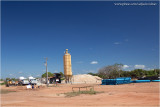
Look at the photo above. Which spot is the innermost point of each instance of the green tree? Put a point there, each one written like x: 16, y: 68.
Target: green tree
x: 62, y: 75
x: 1, y: 79
x: 13, y: 79
x: 7, y: 78
x: 157, y: 71
x: 49, y: 75
x: 94, y: 74
x: 151, y: 73
x: 125, y: 74
x: 110, y: 71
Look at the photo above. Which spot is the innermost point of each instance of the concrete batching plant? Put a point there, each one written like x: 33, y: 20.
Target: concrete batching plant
x: 67, y: 66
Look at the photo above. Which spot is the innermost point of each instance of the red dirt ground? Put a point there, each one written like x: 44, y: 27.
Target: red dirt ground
x: 135, y: 94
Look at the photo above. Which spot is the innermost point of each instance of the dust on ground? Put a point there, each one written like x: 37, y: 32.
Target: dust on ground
x: 134, y: 94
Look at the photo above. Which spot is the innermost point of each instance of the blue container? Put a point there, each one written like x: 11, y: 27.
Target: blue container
x: 103, y: 82
x: 155, y: 80
x: 110, y: 81
x: 132, y: 81
x: 140, y: 81
x: 122, y: 80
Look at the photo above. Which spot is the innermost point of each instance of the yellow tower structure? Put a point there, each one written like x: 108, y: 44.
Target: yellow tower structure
x: 67, y: 66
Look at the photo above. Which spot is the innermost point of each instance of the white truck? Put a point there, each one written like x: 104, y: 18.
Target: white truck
x: 32, y: 80
x: 23, y: 81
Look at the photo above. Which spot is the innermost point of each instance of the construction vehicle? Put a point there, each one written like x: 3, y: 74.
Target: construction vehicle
x: 10, y: 82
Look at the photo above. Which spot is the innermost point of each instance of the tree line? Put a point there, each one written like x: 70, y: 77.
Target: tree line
x: 114, y: 71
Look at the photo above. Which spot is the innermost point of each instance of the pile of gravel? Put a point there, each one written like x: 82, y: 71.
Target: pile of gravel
x: 86, y: 78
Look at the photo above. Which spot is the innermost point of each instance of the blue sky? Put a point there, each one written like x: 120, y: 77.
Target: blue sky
x: 96, y: 33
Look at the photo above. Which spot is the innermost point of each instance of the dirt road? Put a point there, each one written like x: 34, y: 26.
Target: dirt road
x: 135, y: 94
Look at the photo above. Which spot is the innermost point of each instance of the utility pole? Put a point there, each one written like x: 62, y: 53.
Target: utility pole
x: 46, y: 73
x: 155, y: 69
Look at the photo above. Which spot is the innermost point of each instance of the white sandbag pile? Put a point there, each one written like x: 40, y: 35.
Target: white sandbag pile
x: 86, y: 78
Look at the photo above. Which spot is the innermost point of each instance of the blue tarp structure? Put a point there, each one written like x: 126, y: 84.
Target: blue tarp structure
x: 155, y: 80
x: 140, y: 81
x: 108, y: 82
x: 122, y: 80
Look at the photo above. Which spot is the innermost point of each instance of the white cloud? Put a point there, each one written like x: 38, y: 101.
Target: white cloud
x: 139, y: 66
x: 116, y: 43
x: 20, y: 72
x: 125, y: 66
x: 94, y: 62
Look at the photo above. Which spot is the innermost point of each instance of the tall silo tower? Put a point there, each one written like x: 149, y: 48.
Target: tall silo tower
x: 67, y: 66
